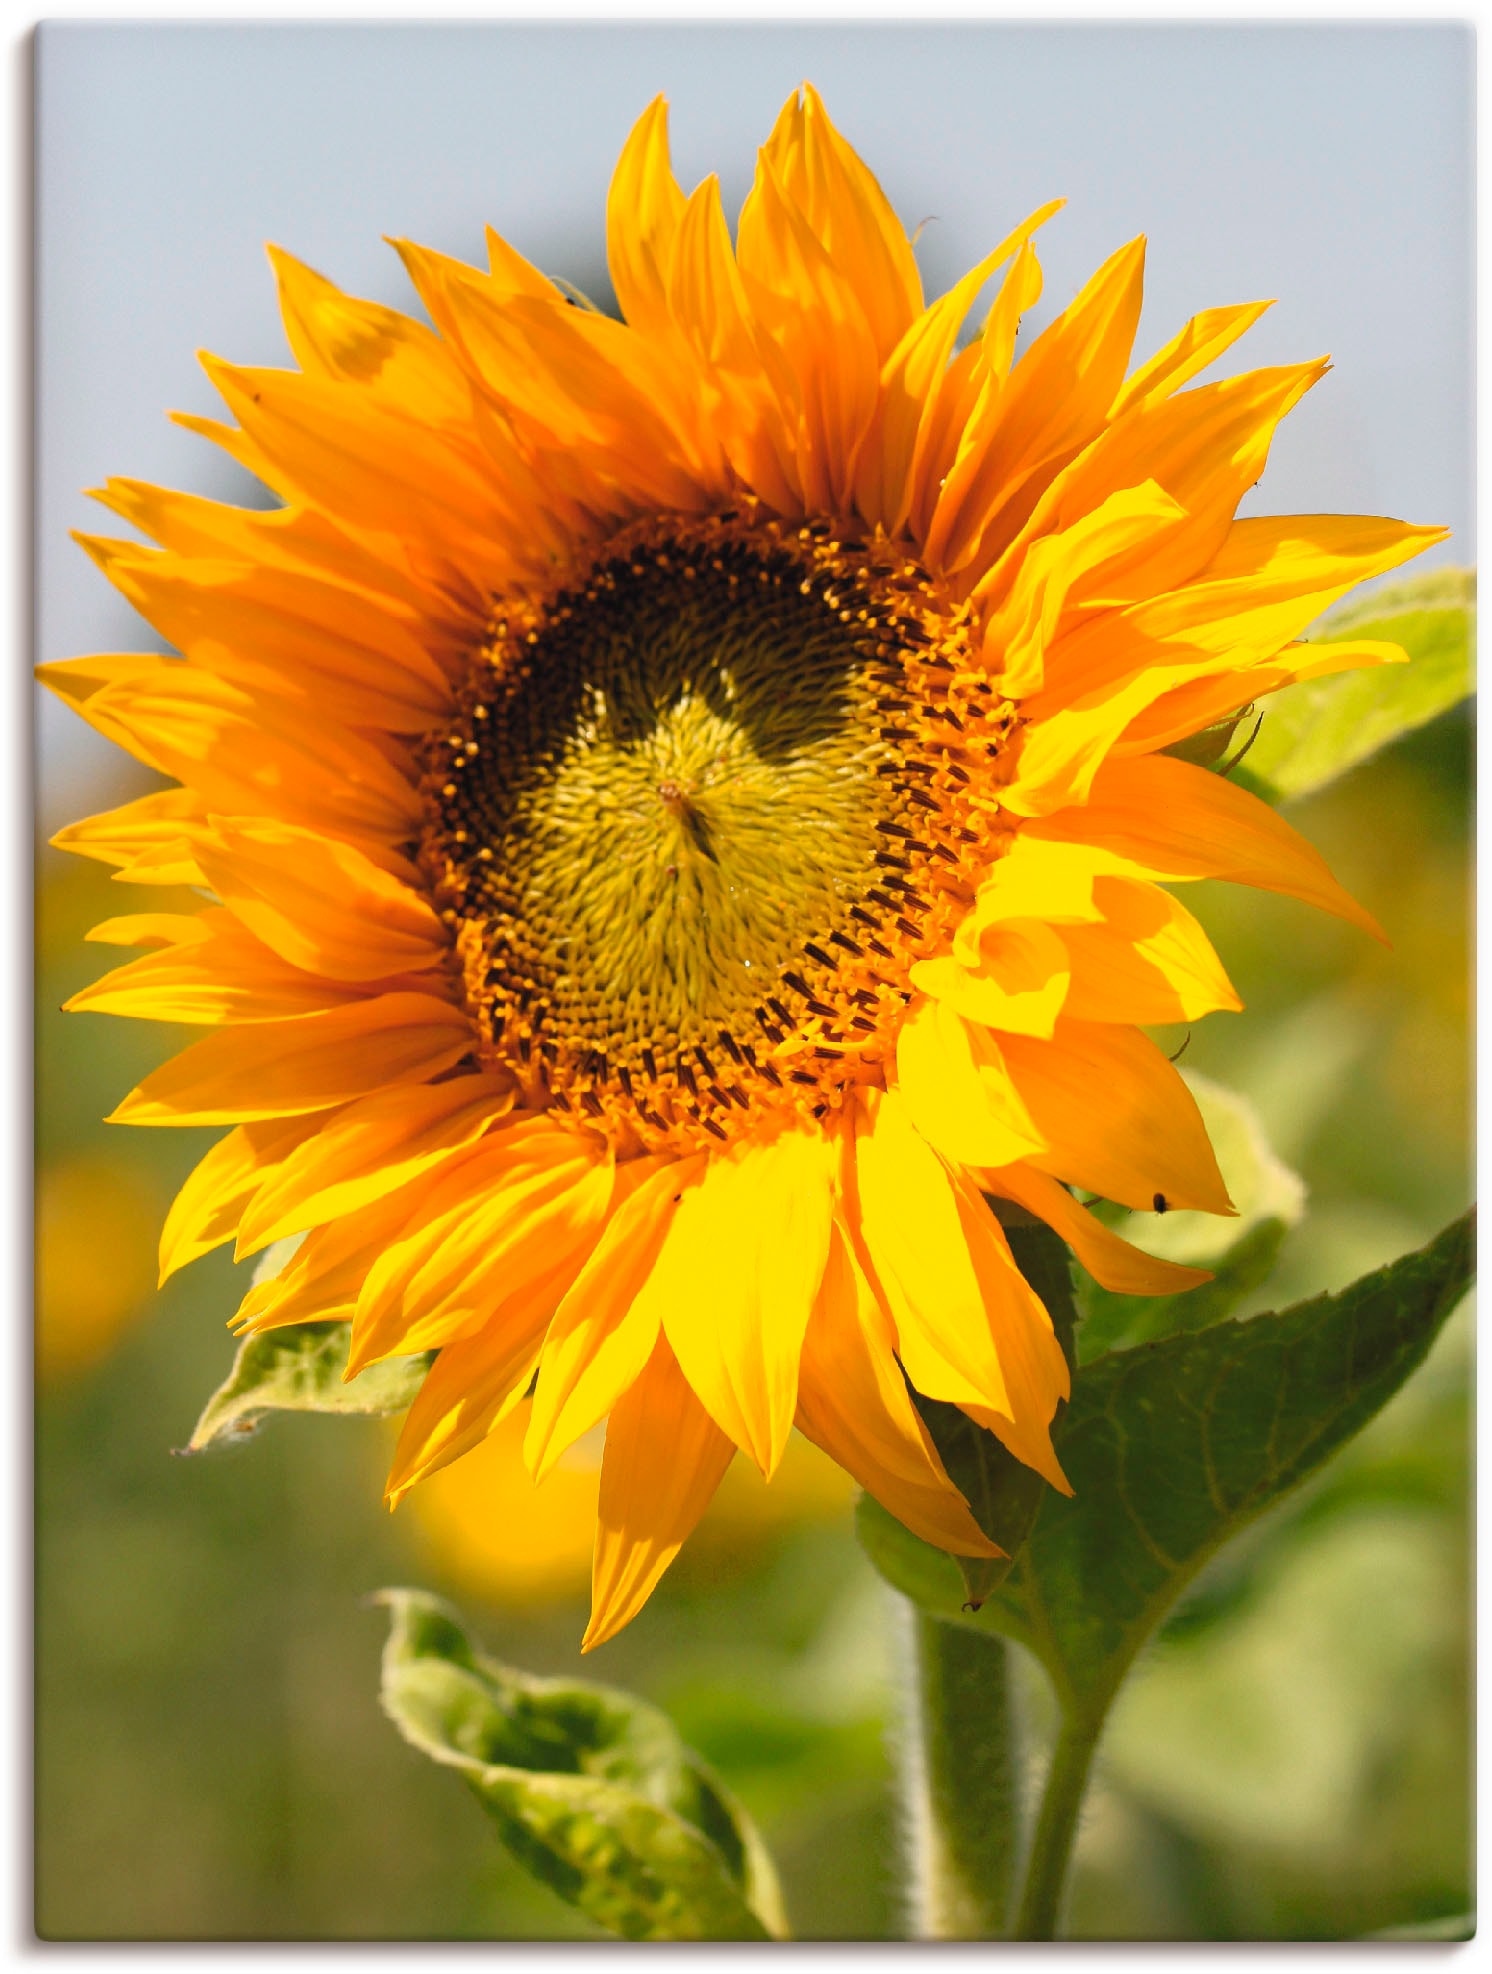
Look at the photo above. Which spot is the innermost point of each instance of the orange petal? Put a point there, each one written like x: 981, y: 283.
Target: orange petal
x: 1112, y: 1262
x: 853, y: 1402
x: 664, y: 1459
x: 1148, y: 961
x: 221, y: 974
x: 320, y: 904
x: 308, y: 1062
x: 1145, y: 1137
x: 372, y: 1147
x: 643, y: 210
x: 206, y: 1211
x: 605, y: 1328
x: 514, y: 1225
x: 1157, y: 817
x: 470, y: 1388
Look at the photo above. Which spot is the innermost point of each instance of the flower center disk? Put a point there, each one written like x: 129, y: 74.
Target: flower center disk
x: 687, y: 830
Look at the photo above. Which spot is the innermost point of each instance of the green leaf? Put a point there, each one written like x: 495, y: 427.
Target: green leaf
x: 300, y: 1369
x: 590, y: 1788
x: 1318, y: 729
x: 1175, y: 1446
x: 929, y: 1577
x: 1240, y: 1253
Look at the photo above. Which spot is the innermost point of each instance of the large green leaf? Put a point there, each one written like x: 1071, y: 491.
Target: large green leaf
x: 300, y: 1369
x: 590, y: 1788
x: 1317, y: 730
x: 1175, y: 1446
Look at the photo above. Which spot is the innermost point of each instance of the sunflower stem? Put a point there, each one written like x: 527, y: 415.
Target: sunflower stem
x: 960, y: 1771
x: 1056, y: 1830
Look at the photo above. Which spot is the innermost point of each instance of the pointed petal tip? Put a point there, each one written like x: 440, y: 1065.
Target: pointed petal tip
x: 991, y: 1551
x: 611, y: 1617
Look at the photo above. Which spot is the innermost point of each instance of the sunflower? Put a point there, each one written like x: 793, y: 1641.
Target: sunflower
x: 679, y: 809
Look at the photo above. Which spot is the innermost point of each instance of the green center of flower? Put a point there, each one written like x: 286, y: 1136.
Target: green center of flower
x: 678, y: 831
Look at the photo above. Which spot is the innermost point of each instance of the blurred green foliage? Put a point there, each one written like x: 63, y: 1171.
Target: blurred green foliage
x: 1291, y: 1760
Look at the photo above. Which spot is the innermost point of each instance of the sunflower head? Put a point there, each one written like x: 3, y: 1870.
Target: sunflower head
x: 678, y: 815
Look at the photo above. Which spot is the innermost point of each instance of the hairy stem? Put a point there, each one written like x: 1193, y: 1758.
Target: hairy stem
x: 960, y: 1775
x: 1056, y: 1828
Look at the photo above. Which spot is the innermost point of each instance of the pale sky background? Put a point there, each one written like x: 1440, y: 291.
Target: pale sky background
x: 1327, y: 165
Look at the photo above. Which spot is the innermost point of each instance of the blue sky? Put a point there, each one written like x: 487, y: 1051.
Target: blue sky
x: 1327, y: 165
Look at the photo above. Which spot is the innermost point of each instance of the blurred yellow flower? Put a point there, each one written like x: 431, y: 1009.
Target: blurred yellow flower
x: 500, y: 1536
x: 95, y: 1260
x: 686, y: 807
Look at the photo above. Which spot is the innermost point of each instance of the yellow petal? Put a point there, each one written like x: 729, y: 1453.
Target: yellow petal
x: 309, y: 1062
x: 320, y: 1281
x: 152, y: 929
x: 707, y: 300
x: 969, y: 1328
x: 1061, y: 570
x: 1205, y: 448
x: 911, y: 383
x: 1020, y: 983
x: 80, y: 682
x: 756, y: 1230
x: 852, y: 216
x: 1033, y: 880
x: 664, y: 1459
x: 1056, y: 400
x: 381, y: 470
x: 326, y: 648
x: 338, y: 336
x: 241, y: 757
x: 809, y: 309
x: 941, y: 1065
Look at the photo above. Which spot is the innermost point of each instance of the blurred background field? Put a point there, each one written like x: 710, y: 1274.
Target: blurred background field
x: 1292, y: 1760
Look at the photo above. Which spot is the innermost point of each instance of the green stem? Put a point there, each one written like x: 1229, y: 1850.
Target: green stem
x: 1056, y: 1828
x: 960, y: 1768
